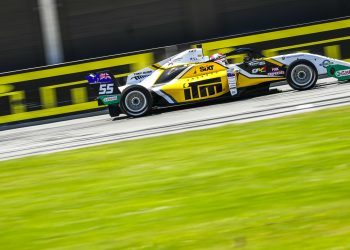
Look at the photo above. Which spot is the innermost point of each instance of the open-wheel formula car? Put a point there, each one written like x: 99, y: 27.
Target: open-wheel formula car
x: 191, y: 77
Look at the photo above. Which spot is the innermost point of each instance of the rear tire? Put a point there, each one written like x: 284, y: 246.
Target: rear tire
x: 302, y: 75
x: 136, y: 101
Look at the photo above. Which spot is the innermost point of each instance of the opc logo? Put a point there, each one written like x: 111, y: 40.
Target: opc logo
x: 259, y: 70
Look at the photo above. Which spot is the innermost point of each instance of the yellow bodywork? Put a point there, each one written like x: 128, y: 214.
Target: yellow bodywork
x: 244, y: 81
x: 206, y: 81
x: 200, y: 82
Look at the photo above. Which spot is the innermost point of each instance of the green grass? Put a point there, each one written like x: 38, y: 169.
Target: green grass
x: 274, y: 184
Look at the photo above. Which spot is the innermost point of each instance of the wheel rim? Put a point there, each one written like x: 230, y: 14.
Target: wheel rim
x: 135, y: 101
x: 302, y: 75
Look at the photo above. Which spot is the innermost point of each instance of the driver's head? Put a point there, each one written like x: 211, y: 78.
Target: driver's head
x: 219, y: 58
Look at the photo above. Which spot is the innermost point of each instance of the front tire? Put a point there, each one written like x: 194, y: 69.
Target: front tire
x: 302, y: 75
x: 136, y: 101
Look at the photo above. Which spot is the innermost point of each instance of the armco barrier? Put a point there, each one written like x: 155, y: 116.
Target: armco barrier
x: 62, y: 89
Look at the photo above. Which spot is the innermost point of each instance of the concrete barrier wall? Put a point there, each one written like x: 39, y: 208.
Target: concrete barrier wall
x: 62, y: 89
x: 20, y: 37
x: 93, y: 28
x: 105, y: 27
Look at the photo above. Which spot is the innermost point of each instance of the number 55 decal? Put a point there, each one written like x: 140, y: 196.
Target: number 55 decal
x: 106, y: 89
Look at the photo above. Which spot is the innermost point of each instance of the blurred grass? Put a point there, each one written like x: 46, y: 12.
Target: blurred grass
x: 274, y: 184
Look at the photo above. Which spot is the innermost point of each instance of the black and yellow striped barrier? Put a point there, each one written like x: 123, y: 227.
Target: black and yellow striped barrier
x: 57, y: 90
x: 62, y: 89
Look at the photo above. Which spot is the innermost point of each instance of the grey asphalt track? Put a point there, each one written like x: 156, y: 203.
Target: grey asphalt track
x: 101, y: 129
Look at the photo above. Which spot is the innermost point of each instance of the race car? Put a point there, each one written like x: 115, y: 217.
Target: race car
x: 191, y: 77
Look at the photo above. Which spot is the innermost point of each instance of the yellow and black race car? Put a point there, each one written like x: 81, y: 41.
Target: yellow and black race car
x: 190, y: 77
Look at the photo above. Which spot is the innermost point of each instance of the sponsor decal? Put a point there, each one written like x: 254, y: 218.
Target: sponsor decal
x: 110, y: 99
x: 92, y: 79
x: 325, y: 63
x: 276, y: 73
x: 232, y: 82
x: 106, y: 89
x: 275, y: 69
x: 342, y: 73
x: 195, y: 59
x: 99, y: 78
x: 259, y: 70
x: 207, y: 68
x: 141, y: 75
x: 256, y: 63
x: 105, y: 76
x: 199, y: 90
x: 177, y: 60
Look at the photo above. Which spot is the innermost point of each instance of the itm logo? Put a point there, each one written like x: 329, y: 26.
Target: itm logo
x: 203, y: 89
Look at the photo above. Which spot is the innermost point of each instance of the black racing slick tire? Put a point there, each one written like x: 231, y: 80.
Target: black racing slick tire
x: 302, y: 75
x: 136, y: 101
x: 113, y: 110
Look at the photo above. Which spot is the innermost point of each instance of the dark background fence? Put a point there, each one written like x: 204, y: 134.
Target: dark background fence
x: 93, y: 28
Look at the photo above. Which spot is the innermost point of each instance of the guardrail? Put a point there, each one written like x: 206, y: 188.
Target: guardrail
x: 62, y: 89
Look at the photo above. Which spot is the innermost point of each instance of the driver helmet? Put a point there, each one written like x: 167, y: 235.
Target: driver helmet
x: 219, y: 58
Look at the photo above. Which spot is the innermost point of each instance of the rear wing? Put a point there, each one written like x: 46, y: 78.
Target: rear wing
x: 104, y: 87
